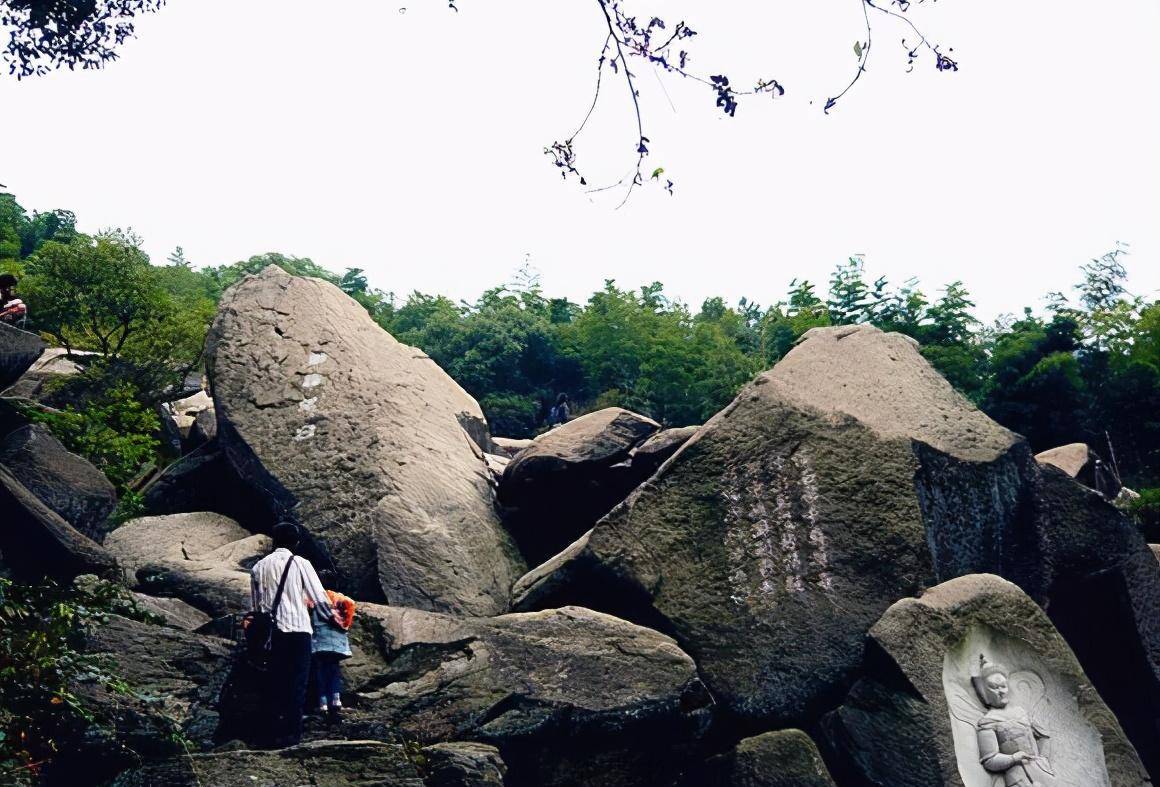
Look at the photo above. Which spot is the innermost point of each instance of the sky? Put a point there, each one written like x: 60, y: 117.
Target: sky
x: 407, y: 139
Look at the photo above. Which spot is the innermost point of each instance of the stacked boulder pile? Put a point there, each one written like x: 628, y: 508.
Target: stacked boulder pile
x: 849, y: 576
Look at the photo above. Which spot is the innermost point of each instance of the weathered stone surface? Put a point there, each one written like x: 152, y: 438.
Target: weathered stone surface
x: 204, y: 428
x: 36, y: 542
x: 583, y: 462
x: 510, y: 446
x: 204, y: 480
x: 175, y: 678
x: 18, y: 351
x: 463, y: 765
x: 785, y: 758
x: 496, y: 463
x: 53, y: 364
x: 179, y: 418
x: 653, y: 452
x: 358, y: 438
x: 917, y: 696
x: 321, y: 764
x: 175, y: 612
x: 845, y: 478
x: 568, y: 696
x: 1085, y: 466
x: 68, y: 484
x: 200, y: 558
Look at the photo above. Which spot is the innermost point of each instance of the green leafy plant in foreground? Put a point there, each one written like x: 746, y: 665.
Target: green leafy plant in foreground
x: 42, y: 631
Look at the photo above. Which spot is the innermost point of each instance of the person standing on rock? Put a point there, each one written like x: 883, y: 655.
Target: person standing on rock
x: 12, y: 309
x: 559, y: 413
x: 289, y: 665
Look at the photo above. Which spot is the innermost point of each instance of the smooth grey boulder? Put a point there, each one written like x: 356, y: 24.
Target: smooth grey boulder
x: 918, y: 697
x: 18, y: 351
x: 556, y: 488
x: 847, y: 477
x: 200, y: 558
x: 1083, y: 464
x: 358, y: 438
x: 318, y: 763
x: 568, y: 696
x: 68, y: 484
x: 652, y: 453
x: 462, y: 764
x: 784, y: 758
x: 36, y: 542
x: 175, y: 679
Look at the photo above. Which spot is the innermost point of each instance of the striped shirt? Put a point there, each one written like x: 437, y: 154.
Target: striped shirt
x: 301, y: 584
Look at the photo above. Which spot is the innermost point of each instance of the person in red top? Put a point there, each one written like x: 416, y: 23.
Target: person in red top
x: 12, y: 309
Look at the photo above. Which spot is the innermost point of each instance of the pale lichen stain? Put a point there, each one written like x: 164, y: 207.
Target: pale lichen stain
x: 780, y: 549
x: 305, y: 432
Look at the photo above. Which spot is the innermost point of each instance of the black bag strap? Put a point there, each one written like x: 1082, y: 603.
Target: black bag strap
x: 281, y: 587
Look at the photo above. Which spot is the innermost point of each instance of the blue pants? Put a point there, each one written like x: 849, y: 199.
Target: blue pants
x: 286, y: 691
x: 328, y: 677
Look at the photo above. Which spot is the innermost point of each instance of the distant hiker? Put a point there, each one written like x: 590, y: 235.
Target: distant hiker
x: 281, y: 586
x: 560, y: 412
x: 331, y: 646
x: 12, y: 309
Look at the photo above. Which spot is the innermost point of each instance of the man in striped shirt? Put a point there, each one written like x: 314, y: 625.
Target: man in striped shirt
x: 289, y: 667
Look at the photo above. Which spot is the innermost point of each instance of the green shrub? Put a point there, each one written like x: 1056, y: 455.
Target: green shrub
x: 1145, y: 510
x: 42, y: 631
x: 110, y: 427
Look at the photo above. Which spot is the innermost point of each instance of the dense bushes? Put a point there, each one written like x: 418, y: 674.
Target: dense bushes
x: 42, y: 630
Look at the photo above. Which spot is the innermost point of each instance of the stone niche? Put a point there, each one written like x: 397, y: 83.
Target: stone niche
x: 1041, y: 713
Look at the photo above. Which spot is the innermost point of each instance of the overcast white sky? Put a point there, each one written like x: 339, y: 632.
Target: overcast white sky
x: 410, y: 144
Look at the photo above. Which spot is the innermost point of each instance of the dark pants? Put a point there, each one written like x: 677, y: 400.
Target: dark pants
x: 286, y: 691
x: 328, y: 677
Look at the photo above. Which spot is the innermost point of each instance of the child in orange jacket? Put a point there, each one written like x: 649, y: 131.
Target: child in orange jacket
x: 330, y: 645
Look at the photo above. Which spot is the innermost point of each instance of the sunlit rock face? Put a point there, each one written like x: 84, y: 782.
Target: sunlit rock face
x: 360, y: 439
x: 847, y: 477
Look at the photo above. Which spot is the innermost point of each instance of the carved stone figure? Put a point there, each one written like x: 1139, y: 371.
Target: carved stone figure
x: 1011, y: 742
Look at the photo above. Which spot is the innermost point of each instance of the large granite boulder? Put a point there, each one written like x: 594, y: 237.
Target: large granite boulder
x: 556, y: 488
x: 1084, y: 465
x: 319, y: 763
x: 204, y: 480
x: 200, y: 558
x: 847, y: 477
x: 18, y: 351
x: 68, y: 484
x: 36, y: 542
x: 568, y: 696
x: 173, y: 683
x: 971, y: 665
x: 785, y: 758
x: 358, y: 438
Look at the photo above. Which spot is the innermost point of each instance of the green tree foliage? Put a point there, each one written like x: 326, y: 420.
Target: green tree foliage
x: 111, y: 427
